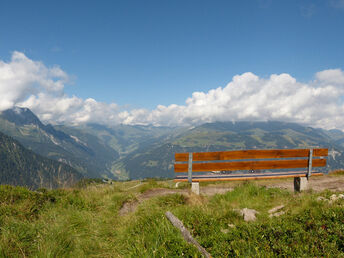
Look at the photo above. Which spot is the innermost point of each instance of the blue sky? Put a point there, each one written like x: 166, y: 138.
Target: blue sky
x: 161, y: 62
x: 144, y: 53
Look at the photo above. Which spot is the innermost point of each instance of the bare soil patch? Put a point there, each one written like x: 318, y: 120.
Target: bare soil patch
x: 318, y: 184
x: 129, y: 207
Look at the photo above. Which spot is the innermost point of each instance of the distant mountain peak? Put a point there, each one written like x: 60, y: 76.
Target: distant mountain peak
x: 19, y: 110
x: 21, y: 116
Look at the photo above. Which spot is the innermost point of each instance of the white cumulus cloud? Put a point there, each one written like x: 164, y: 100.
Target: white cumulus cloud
x: 28, y: 83
x: 248, y: 97
x: 334, y: 76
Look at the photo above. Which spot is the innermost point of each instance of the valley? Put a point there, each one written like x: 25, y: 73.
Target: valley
x: 132, y: 152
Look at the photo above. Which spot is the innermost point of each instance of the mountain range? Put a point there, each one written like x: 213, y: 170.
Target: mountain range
x: 20, y: 166
x: 89, y: 157
x: 134, y: 151
x: 157, y: 159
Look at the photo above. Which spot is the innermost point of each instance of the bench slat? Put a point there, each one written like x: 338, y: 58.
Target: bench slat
x: 250, y: 154
x: 234, y: 177
x: 258, y: 174
x: 249, y: 165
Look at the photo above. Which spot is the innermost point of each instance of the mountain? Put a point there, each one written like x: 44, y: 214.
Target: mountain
x: 124, y: 139
x: 20, y: 166
x: 92, y: 149
x: 88, y: 155
x: 157, y: 159
x: 136, y: 151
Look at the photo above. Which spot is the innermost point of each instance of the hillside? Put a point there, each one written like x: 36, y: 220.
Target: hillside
x: 156, y: 160
x: 127, y: 219
x: 19, y: 166
x: 87, y: 154
x: 135, y: 151
x: 90, y: 148
x: 122, y: 138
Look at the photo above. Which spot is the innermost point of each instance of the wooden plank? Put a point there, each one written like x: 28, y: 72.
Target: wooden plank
x: 186, y: 234
x: 320, y: 152
x: 256, y: 174
x: 250, y: 154
x: 181, y: 157
x: 238, y: 175
x: 249, y: 165
x: 208, y: 179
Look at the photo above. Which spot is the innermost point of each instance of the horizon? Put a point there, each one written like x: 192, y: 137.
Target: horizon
x: 172, y: 64
x: 162, y: 126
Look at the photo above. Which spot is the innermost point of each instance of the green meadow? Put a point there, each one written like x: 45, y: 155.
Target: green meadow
x: 86, y: 221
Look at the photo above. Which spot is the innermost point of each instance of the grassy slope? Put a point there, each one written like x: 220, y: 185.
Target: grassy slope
x: 85, y: 222
x: 91, y: 157
x: 20, y: 166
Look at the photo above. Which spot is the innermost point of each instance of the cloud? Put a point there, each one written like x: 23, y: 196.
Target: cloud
x: 308, y: 11
x: 22, y: 77
x: 335, y: 76
x: 248, y: 97
x: 337, y: 4
x: 28, y: 83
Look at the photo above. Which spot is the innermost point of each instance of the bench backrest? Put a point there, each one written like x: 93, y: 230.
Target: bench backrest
x: 249, y: 160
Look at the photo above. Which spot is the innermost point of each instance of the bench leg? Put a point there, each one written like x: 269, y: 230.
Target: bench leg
x: 300, y: 184
x: 195, y: 187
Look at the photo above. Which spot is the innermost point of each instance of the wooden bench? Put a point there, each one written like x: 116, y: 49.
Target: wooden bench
x: 251, y: 164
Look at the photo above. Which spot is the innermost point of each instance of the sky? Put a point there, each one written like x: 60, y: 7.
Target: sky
x: 179, y: 62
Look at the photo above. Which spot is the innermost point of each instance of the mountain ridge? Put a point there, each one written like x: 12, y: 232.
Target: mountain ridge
x: 157, y: 160
x: 46, y: 140
x: 134, y: 152
x: 20, y: 166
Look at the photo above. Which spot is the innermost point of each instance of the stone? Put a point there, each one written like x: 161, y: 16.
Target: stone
x: 300, y: 184
x: 275, y: 209
x: 195, y: 187
x: 277, y: 214
x: 224, y: 231
x: 248, y: 214
x: 333, y: 197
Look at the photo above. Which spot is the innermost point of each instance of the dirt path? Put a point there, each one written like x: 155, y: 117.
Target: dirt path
x: 333, y: 183
x: 318, y: 184
x: 129, y: 207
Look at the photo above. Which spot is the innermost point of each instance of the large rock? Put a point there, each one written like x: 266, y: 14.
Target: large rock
x: 248, y: 214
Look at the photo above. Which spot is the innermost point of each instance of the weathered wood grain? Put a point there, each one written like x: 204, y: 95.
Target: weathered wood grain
x: 249, y: 165
x: 238, y: 177
x: 186, y: 234
x: 250, y: 154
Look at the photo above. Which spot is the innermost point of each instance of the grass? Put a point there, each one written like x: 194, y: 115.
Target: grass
x: 337, y: 173
x: 84, y: 222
